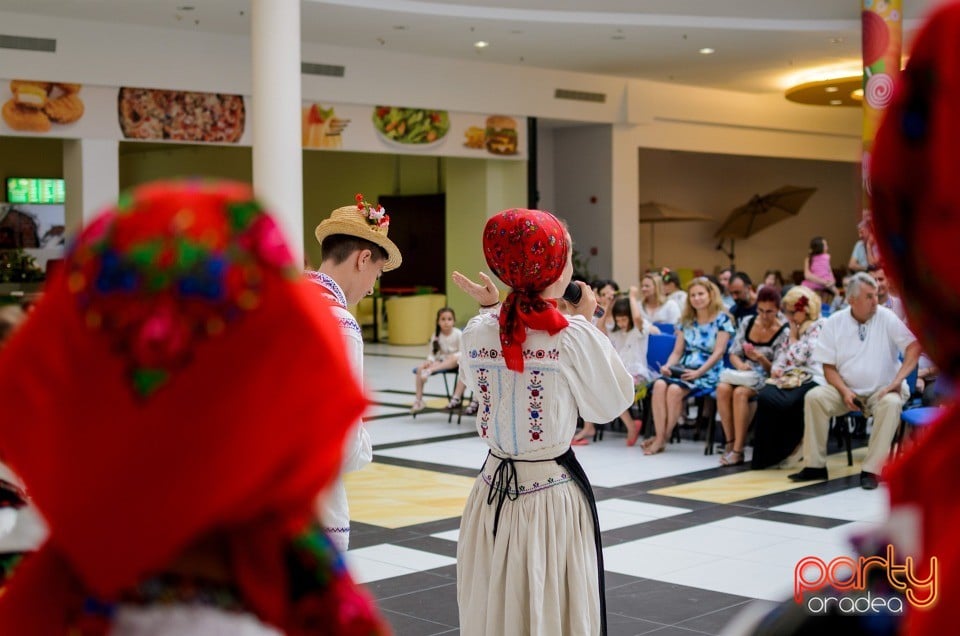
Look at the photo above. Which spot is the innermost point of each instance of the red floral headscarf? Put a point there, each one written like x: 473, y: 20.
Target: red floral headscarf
x: 916, y: 214
x: 177, y: 381
x: 527, y: 250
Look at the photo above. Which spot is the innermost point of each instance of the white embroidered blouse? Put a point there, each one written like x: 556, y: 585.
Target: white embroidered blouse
x: 533, y: 415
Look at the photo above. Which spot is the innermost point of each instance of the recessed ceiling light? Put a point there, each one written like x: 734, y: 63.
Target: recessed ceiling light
x: 836, y: 102
x: 707, y: 51
x: 831, y: 89
x: 186, y: 7
x: 481, y: 44
x: 857, y: 94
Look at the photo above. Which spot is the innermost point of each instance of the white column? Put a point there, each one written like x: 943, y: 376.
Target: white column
x: 91, y: 172
x: 277, y: 151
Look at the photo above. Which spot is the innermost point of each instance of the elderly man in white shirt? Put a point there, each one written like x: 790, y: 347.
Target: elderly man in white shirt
x: 859, y: 348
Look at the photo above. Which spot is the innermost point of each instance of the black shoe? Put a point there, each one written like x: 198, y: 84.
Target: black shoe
x: 809, y: 474
x: 868, y: 481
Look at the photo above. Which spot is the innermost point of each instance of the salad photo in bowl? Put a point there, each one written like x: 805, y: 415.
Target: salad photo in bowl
x: 411, y: 126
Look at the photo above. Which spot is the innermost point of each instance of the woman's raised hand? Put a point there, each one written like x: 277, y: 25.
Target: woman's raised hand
x: 486, y: 293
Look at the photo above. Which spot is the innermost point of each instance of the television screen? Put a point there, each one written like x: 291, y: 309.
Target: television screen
x: 31, y: 190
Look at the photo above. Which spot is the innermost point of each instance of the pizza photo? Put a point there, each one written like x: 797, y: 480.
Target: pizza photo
x: 147, y: 113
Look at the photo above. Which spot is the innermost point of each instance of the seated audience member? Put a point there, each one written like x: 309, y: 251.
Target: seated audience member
x: 774, y: 279
x: 723, y: 284
x: 754, y: 347
x: 817, y: 271
x: 778, y: 423
x: 884, y: 297
x: 671, y: 287
x: 654, y: 305
x: 927, y: 373
x: 161, y: 361
x: 744, y: 296
x: 706, y: 329
x: 629, y: 337
x: 840, y: 300
x: 859, y: 348
x: 443, y: 355
x: 858, y: 257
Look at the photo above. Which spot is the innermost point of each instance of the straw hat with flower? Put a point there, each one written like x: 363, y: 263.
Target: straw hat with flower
x: 366, y: 221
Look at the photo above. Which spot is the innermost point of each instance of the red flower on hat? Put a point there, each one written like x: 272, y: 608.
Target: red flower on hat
x: 376, y: 215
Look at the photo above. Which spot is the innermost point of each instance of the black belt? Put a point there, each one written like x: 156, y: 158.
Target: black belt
x: 505, y: 476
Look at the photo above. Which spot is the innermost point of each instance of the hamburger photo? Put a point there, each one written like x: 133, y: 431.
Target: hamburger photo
x: 501, y: 135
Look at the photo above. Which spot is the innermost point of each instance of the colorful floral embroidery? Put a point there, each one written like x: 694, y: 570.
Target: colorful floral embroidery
x: 197, y: 266
x: 528, y: 354
x: 526, y: 489
x: 324, y: 597
x: 483, y: 385
x: 330, y: 285
x: 535, y: 406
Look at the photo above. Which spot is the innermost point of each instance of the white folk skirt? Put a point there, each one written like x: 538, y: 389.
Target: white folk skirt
x: 539, y: 574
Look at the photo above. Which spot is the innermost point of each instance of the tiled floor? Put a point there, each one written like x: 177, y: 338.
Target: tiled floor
x: 689, y: 547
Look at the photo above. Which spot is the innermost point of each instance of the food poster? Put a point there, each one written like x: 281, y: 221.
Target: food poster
x: 408, y: 130
x: 77, y: 111
x: 58, y: 109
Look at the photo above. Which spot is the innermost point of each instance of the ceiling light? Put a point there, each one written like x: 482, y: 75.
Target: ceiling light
x: 707, y: 51
x: 857, y: 94
x: 186, y: 7
x: 481, y: 44
x: 836, y: 102
x: 831, y: 89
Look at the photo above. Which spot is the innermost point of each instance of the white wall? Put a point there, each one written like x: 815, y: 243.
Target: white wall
x: 715, y: 184
x: 643, y: 114
x: 582, y: 161
x: 545, y: 169
x: 114, y: 54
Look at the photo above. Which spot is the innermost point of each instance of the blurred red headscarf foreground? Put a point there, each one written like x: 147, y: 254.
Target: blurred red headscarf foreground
x: 916, y: 212
x: 178, y: 381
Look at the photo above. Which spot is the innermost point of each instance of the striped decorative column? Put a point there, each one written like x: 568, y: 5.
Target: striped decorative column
x: 882, y: 43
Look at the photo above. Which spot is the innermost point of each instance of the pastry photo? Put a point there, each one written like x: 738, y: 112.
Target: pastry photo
x: 34, y: 106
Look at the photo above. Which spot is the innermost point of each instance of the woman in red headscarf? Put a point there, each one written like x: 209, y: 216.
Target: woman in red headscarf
x: 916, y: 215
x: 528, y: 557
x: 174, y: 405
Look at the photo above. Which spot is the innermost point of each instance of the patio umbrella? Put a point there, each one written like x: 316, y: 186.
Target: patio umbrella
x: 654, y: 212
x: 760, y: 212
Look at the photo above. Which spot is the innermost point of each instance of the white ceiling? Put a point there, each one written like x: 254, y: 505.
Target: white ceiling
x: 758, y: 43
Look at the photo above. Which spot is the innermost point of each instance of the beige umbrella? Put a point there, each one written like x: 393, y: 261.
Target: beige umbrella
x: 760, y: 212
x: 655, y: 212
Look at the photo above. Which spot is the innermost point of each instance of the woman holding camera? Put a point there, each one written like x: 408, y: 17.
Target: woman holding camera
x: 706, y: 328
x: 529, y: 558
x: 754, y: 348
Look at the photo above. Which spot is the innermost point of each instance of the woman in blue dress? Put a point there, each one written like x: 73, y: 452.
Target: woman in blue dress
x: 706, y: 330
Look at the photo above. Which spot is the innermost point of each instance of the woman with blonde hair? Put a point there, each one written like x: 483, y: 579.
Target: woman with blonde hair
x: 654, y: 306
x: 778, y: 423
x: 706, y: 329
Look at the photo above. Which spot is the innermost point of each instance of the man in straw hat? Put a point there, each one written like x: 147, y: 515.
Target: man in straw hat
x: 355, y: 250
